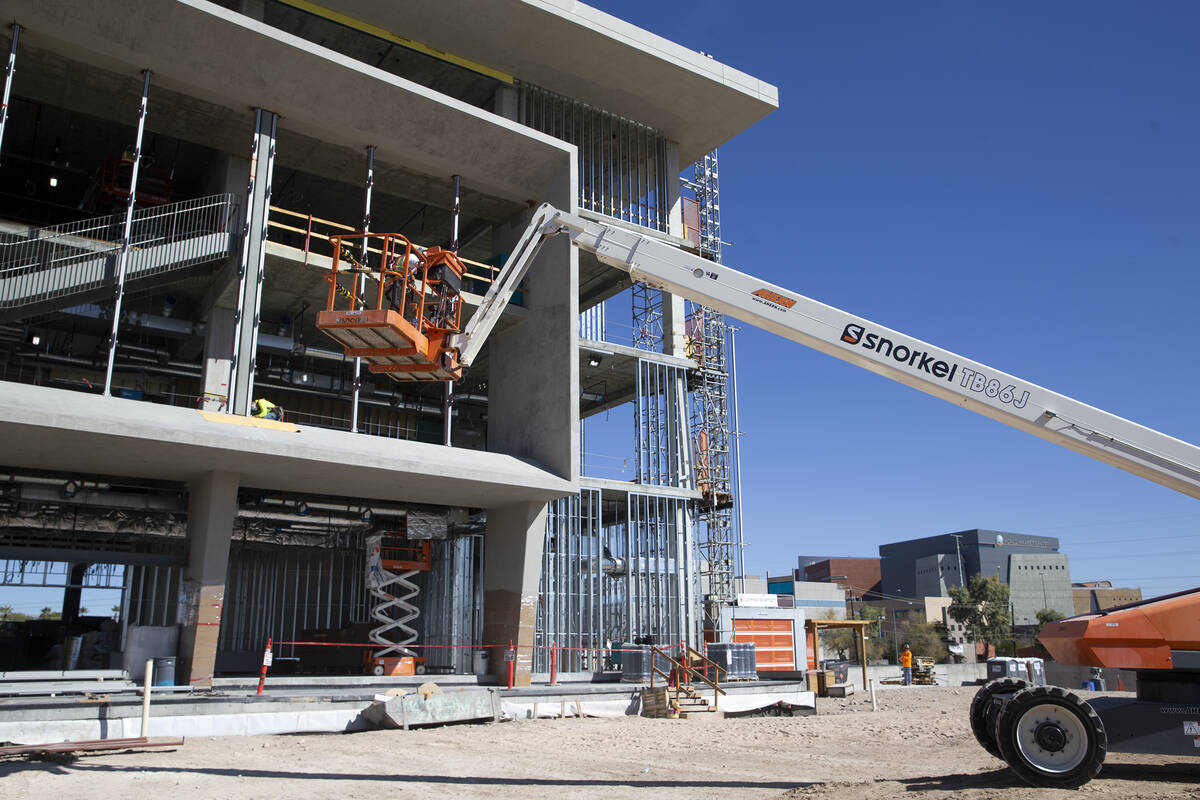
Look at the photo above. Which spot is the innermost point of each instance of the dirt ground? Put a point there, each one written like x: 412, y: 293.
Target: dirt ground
x: 918, y: 744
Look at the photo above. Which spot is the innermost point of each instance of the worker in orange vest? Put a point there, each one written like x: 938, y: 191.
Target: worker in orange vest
x: 906, y: 664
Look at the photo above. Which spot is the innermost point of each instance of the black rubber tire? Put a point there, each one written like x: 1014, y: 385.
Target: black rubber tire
x: 1016, y: 713
x: 984, y: 712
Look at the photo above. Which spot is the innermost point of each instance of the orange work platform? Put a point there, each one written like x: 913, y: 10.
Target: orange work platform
x: 395, y: 306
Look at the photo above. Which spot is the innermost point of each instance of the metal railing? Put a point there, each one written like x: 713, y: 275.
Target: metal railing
x: 311, y: 237
x: 65, y: 260
x: 691, y: 664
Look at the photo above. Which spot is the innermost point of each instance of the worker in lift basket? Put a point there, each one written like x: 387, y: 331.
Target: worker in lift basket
x: 906, y: 664
x: 265, y: 409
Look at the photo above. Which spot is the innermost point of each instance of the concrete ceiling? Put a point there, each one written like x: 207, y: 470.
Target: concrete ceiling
x: 583, y: 53
x: 225, y: 64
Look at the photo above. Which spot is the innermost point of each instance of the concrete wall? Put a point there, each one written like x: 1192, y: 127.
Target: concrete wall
x: 1037, y: 582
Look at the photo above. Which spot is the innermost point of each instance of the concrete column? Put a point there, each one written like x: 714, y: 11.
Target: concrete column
x: 674, y: 325
x: 212, y: 506
x: 72, y: 594
x: 674, y: 320
x: 533, y: 414
x: 507, y: 103
x: 533, y: 383
x: 218, y: 359
x: 513, y: 565
x: 674, y: 203
x: 256, y: 9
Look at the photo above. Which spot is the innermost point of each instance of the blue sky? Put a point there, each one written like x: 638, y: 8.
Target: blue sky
x: 1018, y: 183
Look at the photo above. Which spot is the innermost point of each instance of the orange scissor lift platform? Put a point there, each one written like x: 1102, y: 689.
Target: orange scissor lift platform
x: 403, y: 328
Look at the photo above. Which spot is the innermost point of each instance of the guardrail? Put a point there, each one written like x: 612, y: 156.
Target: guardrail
x: 64, y: 260
x: 309, y: 235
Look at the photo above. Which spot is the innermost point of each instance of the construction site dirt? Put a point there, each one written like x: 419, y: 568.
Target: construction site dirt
x: 918, y: 744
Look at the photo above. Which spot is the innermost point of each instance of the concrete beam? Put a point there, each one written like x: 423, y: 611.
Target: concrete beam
x: 62, y: 430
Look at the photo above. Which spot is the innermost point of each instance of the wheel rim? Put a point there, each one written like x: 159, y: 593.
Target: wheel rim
x: 1051, y: 738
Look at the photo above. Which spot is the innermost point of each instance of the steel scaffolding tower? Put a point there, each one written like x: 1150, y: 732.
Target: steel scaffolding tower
x: 716, y: 541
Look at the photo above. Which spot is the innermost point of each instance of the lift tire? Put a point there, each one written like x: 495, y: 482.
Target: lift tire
x: 984, y: 711
x: 1051, y: 737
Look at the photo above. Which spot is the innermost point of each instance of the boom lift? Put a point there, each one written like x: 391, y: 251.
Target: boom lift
x: 978, y: 387
x: 1049, y: 736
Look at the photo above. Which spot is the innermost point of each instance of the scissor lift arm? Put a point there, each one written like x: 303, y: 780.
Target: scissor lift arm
x: 970, y: 384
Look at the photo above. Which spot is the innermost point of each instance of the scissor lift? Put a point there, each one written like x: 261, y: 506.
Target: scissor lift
x: 402, y: 328
x: 392, y: 561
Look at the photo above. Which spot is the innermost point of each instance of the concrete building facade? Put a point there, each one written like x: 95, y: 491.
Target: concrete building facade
x: 247, y: 132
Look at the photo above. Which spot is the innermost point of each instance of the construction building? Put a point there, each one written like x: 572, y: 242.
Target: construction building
x: 1037, y: 574
x: 171, y: 175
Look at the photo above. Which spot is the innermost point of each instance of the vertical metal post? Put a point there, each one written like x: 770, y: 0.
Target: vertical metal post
x: 253, y: 259
x: 244, y: 264
x: 9, y: 69
x: 261, y: 266
x: 360, y: 281
x: 448, y: 398
x: 124, y: 257
x: 737, y: 455
x: 457, y: 208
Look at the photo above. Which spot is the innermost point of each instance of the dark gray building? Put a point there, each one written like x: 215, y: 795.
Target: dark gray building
x: 1037, y: 573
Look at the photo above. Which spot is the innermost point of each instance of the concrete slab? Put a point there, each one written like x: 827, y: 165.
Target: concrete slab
x: 200, y: 50
x: 62, y: 430
x: 581, y: 52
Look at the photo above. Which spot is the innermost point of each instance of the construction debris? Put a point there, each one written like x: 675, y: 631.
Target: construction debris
x: 91, y: 745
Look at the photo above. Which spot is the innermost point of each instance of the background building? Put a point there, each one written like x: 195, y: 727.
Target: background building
x: 859, y: 576
x: 1093, y: 596
x: 1037, y: 574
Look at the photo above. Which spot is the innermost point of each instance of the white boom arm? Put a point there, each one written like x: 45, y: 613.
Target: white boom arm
x: 978, y: 387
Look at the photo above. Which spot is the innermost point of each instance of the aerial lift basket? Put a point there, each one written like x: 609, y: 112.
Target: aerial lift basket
x: 396, y: 308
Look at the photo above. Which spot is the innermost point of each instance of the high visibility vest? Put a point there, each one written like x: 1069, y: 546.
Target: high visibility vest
x: 262, y: 407
x: 906, y: 658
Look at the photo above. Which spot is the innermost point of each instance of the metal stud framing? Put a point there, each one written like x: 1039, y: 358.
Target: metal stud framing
x: 660, y: 425
x: 451, y: 602
x: 622, y: 163
x: 571, y: 589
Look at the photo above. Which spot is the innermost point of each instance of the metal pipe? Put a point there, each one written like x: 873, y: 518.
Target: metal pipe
x: 737, y: 452
x: 360, y: 281
x: 9, y: 69
x: 456, y: 210
x: 124, y: 257
x: 448, y: 398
